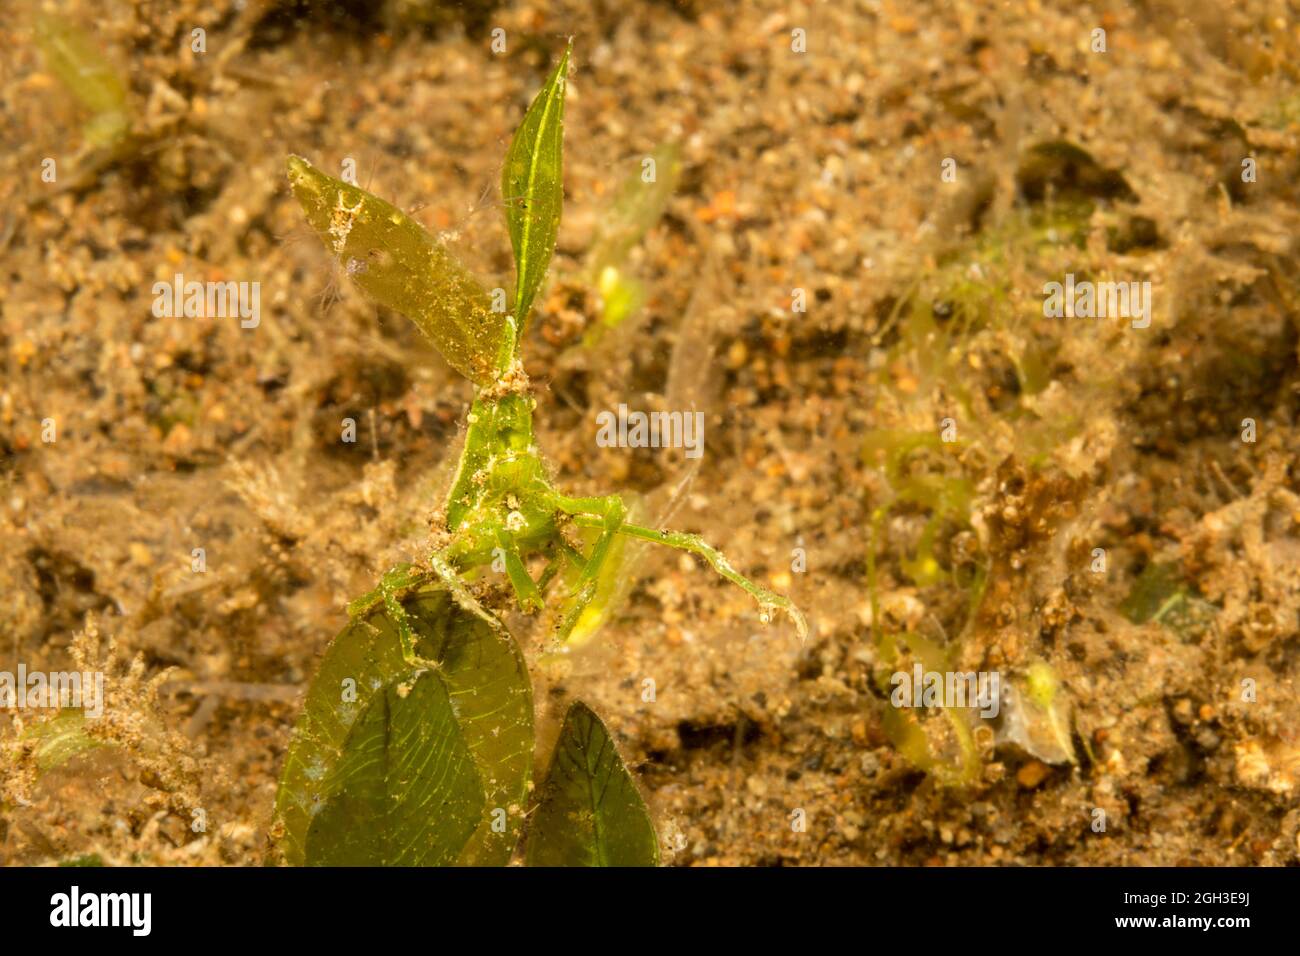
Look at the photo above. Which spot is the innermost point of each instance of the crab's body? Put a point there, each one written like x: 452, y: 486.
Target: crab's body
x: 502, y: 506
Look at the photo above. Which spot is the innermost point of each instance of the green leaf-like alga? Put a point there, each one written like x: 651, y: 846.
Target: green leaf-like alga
x: 61, y: 737
x: 532, y: 188
x: 400, y: 265
x: 406, y: 792
x: 491, y: 700
x: 72, y: 58
x: 591, y: 813
x: 637, y: 205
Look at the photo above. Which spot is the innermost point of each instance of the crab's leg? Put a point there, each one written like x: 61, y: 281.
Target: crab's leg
x: 441, y: 567
x: 548, y: 574
x: 397, y: 614
x: 393, y: 586
x: 611, y: 511
x: 570, y: 553
x: 693, y: 543
x: 561, y: 552
x: 526, y: 590
x: 402, y: 576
